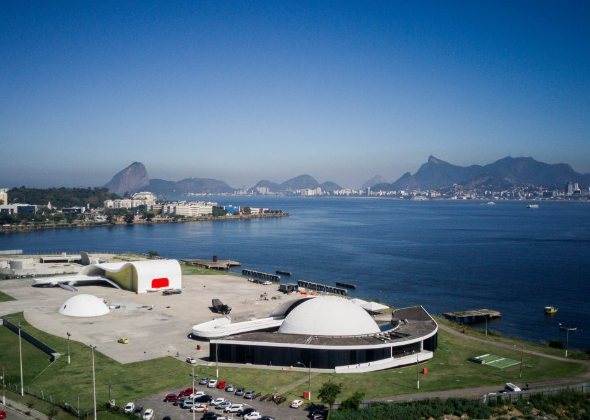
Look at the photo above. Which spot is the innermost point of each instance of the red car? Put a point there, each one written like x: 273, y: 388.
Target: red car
x: 171, y: 397
x: 2, y: 415
x: 187, y: 392
x: 221, y: 384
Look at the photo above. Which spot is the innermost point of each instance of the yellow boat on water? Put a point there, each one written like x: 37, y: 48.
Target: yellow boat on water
x: 550, y: 310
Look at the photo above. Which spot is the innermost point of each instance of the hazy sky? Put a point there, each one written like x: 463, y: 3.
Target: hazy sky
x: 243, y: 91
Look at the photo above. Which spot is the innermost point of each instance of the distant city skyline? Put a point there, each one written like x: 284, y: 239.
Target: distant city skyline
x: 244, y: 91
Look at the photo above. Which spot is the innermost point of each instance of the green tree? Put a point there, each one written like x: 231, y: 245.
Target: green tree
x: 152, y: 254
x: 129, y: 218
x: 329, y: 392
x: 352, y: 402
x: 247, y: 210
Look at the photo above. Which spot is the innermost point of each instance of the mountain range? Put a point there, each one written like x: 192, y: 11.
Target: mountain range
x: 501, y: 174
x: 435, y: 173
x: 135, y: 178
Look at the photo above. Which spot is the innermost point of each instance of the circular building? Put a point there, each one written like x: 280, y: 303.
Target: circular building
x: 84, y: 306
x: 333, y: 333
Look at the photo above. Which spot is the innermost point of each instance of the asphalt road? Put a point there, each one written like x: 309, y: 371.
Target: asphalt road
x: 12, y: 414
x: 266, y: 408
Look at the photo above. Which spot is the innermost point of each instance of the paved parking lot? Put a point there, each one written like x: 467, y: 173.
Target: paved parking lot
x: 266, y: 408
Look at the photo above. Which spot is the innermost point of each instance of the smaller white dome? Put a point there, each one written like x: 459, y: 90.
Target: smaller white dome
x: 84, y: 306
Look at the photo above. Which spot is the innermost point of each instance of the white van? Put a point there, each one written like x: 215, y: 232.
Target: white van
x: 508, y: 387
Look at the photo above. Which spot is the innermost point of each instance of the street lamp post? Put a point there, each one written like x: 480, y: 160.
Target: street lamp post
x: 521, y: 356
x: 216, y: 361
x: 3, y: 389
x: 20, y: 354
x: 567, y: 335
x: 309, y: 379
x: 193, y: 392
x: 417, y: 371
x: 68, y: 347
x: 93, y: 381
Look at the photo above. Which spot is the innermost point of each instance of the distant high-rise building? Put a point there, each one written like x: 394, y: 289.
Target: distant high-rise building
x: 569, y: 189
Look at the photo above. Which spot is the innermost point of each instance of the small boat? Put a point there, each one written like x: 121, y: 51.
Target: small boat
x: 491, y: 203
x: 550, y: 310
x: 532, y: 206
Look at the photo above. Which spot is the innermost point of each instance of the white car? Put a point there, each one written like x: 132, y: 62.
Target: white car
x: 199, y: 408
x: 235, y: 408
x: 191, y: 360
x: 196, y: 394
x: 149, y: 414
x: 129, y: 408
x: 217, y: 401
x: 212, y: 383
x: 254, y: 415
x: 296, y: 404
x: 267, y: 283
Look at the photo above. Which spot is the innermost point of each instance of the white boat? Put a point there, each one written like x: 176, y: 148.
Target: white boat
x: 491, y: 203
x: 532, y: 206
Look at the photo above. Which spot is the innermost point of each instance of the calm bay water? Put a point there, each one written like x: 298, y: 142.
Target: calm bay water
x: 442, y: 255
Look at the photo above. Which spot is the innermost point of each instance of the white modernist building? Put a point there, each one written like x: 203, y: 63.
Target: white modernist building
x: 326, y: 332
x: 136, y: 276
x: 84, y: 306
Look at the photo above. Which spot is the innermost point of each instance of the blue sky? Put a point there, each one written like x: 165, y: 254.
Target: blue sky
x: 243, y: 91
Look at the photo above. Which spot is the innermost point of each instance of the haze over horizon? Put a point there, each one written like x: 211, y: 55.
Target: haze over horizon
x: 243, y: 91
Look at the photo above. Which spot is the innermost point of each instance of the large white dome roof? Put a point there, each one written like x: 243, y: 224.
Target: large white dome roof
x: 84, y: 306
x: 331, y: 316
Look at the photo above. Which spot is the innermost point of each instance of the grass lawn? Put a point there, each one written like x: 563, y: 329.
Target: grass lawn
x: 129, y: 382
x: 580, y: 355
x: 449, y: 369
x: 191, y: 269
x: 5, y: 298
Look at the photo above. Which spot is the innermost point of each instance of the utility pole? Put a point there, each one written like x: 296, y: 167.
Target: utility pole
x: 93, y: 381
x: 69, y: 361
x: 216, y: 361
x: 20, y: 352
x: 3, y: 389
x: 417, y: 371
x: 521, y: 356
x: 193, y: 392
x: 486, y: 318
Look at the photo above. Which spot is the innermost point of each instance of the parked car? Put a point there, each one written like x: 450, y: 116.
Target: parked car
x: 166, y: 418
x: 138, y: 411
x: 296, y: 403
x: 234, y: 408
x: 200, y: 408
x: 314, y: 413
x: 123, y: 340
x: 196, y: 394
x: 191, y: 360
x: 128, y: 409
x: 205, y: 398
x: 255, y: 415
x: 211, y: 415
x: 221, y: 385
x: 171, y: 397
x: 247, y: 411
x: 249, y: 395
x: 508, y: 387
x: 223, y: 405
x: 217, y: 401
x: 229, y: 388
x: 212, y: 383
x: 2, y: 414
x: 239, y: 392
x: 188, y: 403
x: 267, y: 283
x: 267, y: 418
x: 181, y: 401
x: 187, y: 392
x: 204, y: 381
x: 148, y: 414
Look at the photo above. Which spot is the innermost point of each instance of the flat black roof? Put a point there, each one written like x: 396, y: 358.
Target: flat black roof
x: 408, y: 324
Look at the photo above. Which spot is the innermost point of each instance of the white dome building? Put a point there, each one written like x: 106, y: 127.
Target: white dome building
x: 84, y: 306
x: 330, y: 333
x: 328, y: 316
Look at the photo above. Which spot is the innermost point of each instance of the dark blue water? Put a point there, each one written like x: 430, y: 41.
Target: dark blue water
x: 442, y: 255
